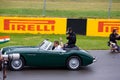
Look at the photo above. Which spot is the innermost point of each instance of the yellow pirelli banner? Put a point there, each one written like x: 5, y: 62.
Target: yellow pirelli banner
x: 33, y: 25
x: 102, y: 27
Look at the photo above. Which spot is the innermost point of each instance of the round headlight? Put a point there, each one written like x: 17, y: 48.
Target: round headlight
x: 14, y: 56
x: 11, y: 56
x: 5, y: 57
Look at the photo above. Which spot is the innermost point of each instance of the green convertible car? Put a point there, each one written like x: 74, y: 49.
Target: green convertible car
x: 44, y: 56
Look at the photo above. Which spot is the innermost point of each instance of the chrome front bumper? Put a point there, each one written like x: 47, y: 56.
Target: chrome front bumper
x: 94, y: 60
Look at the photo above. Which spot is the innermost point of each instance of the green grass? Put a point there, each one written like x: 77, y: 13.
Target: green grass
x: 58, y: 13
x: 85, y: 42
x: 60, y: 8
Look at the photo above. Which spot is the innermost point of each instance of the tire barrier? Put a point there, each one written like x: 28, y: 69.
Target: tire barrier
x: 78, y: 25
x: 33, y: 25
x: 88, y: 27
x: 102, y: 27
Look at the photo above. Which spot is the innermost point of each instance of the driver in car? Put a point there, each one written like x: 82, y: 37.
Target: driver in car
x: 57, y: 46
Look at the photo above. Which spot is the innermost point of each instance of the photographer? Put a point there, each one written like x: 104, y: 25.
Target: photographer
x: 71, y: 37
x: 114, y: 36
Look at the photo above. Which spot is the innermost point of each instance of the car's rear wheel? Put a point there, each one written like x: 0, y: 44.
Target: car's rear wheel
x: 73, y: 63
x: 16, y: 64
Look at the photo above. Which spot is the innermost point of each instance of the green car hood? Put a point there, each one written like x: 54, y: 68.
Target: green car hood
x: 11, y: 48
x: 24, y: 50
x: 81, y: 52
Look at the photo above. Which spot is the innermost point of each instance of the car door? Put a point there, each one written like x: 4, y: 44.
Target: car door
x: 31, y: 58
x: 50, y: 58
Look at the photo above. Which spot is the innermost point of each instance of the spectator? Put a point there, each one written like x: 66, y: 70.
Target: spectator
x: 114, y: 36
x: 113, y: 41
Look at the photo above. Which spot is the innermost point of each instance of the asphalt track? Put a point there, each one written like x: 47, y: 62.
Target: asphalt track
x: 107, y: 67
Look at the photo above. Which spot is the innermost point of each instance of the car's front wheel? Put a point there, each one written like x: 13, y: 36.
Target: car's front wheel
x: 16, y: 64
x: 73, y: 63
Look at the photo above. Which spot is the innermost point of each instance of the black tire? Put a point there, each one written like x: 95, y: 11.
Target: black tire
x: 73, y: 63
x: 16, y: 66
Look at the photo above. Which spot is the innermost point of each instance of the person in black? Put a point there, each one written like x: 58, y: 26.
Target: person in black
x: 71, y: 37
x: 113, y: 40
x: 114, y: 36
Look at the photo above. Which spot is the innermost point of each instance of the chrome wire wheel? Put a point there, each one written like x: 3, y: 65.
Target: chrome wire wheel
x: 16, y: 64
x: 73, y: 63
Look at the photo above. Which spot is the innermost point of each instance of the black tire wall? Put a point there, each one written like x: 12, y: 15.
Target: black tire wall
x: 77, y: 25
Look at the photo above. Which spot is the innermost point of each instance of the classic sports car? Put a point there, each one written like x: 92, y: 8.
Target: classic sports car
x: 44, y: 56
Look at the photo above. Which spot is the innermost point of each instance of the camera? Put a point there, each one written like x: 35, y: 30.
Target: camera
x: 69, y: 30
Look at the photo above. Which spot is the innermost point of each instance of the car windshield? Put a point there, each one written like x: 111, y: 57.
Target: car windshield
x: 46, y: 45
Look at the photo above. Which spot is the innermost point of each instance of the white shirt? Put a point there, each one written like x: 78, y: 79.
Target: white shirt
x: 58, y: 48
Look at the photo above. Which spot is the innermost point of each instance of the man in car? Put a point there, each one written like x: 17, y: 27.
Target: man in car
x: 71, y: 37
x: 57, y: 46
